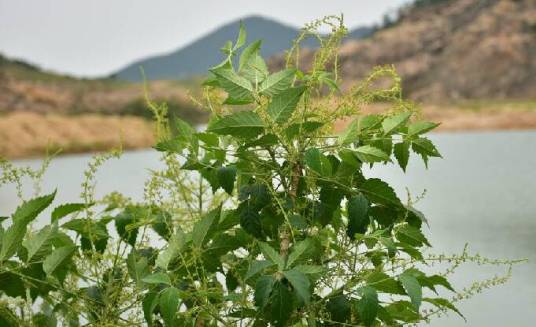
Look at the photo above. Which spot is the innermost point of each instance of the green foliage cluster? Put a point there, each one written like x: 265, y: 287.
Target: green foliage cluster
x: 265, y: 218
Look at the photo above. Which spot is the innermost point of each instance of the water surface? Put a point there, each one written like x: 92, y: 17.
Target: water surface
x: 483, y: 192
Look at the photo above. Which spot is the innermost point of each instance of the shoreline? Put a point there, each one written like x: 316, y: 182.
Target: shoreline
x: 26, y: 135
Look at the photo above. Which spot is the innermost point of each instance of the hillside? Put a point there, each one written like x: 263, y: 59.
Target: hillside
x: 197, y: 57
x: 452, y: 50
x: 26, y: 88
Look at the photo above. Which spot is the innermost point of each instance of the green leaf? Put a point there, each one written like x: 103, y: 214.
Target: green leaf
x: 149, y: 303
x: 24, y: 214
x: 250, y: 221
x: 66, y: 209
x: 137, y: 266
x: 339, y: 308
x: 380, y: 192
x: 58, y: 258
x: 256, y: 267
x: 318, y: 162
x: 412, y: 287
x: 350, y: 134
x: 297, y: 250
x: 310, y: 270
x: 124, y: 224
x: 272, y: 255
x: 392, y: 123
x: 281, y: 304
x: 242, y: 36
x: 245, y: 124
x: 402, y: 154
x: 40, y: 244
x: 411, y: 235
x: 169, y: 304
x: 248, y: 55
x: 300, y: 283
x: 439, y: 280
x: 367, y: 307
x: 157, y: 278
x: 384, y: 283
x: 425, y: 147
x: 277, y: 82
x: 204, y: 228
x: 283, y: 104
x: 367, y: 153
x: 358, y: 219
x: 444, y: 303
x: 263, y: 289
x: 421, y: 127
x: 227, y: 178
x: 175, y: 245
x: 238, y: 88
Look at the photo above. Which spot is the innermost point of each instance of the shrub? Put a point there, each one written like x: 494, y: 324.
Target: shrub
x: 263, y: 219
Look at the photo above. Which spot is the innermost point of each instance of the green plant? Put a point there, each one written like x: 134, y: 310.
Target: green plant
x: 263, y: 219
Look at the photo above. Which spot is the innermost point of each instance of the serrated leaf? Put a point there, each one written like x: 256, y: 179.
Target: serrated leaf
x: 358, y: 220
x: 300, y: 283
x: 204, y: 228
x: 402, y: 154
x: 367, y: 153
x: 248, y: 55
x: 339, y: 308
x: 66, y: 209
x: 424, y: 146
x: 421, y: 127
x: 411, y: 235
x: 392, y: 123
x: 169, y: 304
x: 27, y: 212
x: 384, y: 283
x: 297, y: 250
x: 350, y: 134
x: 245, y: 124
x: 137, y: 266
x: 256, y: 267
x: 149, y: 303
x: 175, y: 245
x: 412, y: 287
x: 367, y: 307
x: 380, y: 192
x: 309, y: 269
x: 318, y: 162
x: 277, y: 82
x: 263, y: 289
x: 227, y: 178
x: 282, y: 106
x: 281, y: 304
x: 250, y: 221
x: 444, y: 303
x: 157, y: 278
x: 272, y: 255
x: 40, y: 244
x: 57, y: 258
x: 237, y: 87
x: 242, y: 36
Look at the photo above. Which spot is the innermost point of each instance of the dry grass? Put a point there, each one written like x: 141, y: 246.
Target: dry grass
x: 29, y: 134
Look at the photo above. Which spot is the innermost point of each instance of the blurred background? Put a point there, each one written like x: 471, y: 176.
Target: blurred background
x: 70, y: 79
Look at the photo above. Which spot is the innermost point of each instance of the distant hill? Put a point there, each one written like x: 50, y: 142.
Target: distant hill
x: 450, y: 50
x: 27, y: 88
x: 197, y: 57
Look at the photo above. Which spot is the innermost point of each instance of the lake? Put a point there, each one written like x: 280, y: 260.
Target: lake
x: 483, y: 192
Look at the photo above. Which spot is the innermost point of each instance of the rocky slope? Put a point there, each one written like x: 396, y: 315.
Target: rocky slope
x: 453, y: 50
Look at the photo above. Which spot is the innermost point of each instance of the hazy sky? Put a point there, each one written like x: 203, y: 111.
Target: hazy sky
x: 96, y: 37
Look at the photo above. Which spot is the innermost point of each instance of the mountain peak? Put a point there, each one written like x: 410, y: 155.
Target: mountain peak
x: 197, y: 57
